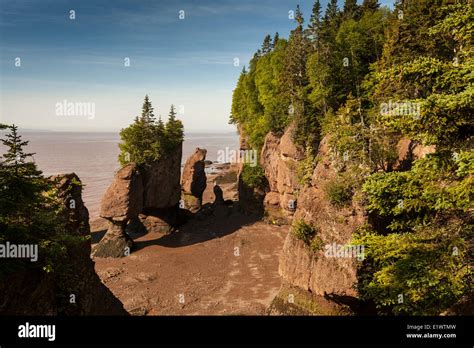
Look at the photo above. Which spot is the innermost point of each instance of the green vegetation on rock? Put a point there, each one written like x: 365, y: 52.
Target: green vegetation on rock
x: 147, y: 140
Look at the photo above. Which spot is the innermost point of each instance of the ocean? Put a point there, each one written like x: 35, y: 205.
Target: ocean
x: 93, y: 156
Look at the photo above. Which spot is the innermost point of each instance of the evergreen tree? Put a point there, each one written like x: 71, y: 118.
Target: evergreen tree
x: 275, y: 40
x: 351, y: 9
x: 174, y: 129
x: 267, y: 45
x: 331, y: 13
x: 21, y: 183
x: 315, y: 23
x: 370, y: 5
x: 147, y: 111
x: 146, y: 140
x: 299, y: 16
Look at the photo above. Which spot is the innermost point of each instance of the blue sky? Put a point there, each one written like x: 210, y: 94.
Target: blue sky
x: 188, y: 62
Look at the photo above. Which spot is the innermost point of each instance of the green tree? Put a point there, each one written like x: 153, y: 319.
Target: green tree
x: 174, y: 130
x: 267, y: 45
x: 148, y: 116
x: 147, y: 140
x: 351, y: 9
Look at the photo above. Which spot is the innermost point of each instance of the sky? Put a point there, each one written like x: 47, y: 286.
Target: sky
x: 63, y: 73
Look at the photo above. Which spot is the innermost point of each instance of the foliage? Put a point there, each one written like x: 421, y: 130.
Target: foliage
x: 338, y: 192
x: 31, y: 211
x: 417, y: 273
x: 147, y: 140
x: 253, y: 176
x: 362, y: 79
x: 303, y: 231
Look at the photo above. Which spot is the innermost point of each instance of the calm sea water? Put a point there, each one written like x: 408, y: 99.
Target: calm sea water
x: 93, y: 156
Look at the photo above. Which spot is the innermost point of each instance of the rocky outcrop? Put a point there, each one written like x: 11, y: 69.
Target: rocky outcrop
x: 162, y: 188
x: 312, y: 268
x: 279, y: 158
x: 193, y: 181
x: 122, y: 201
x: 69, y: 190
x: 124, y: 197
x: 76, y: 290
x: 147, y: 196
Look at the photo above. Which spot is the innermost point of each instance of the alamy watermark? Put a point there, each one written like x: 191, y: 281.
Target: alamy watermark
x: 344, y: 251
x: 19, y: 251
x: 228, y: 155
x: 66, y: 108
x: 400, y: 108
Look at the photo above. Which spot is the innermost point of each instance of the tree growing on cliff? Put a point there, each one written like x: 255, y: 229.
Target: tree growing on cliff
x: 30, y: 210
x: 174, y: 130
x: 21, y: 183
x: 147, y: 140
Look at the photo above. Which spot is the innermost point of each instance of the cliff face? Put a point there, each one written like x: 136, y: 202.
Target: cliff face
x: 78, y: 291
x: 279, y: 159
x: 311, y: 269
x: 321, y: 270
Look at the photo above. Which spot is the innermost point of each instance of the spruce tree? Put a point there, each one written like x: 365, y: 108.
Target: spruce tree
x: 299, y: 16
x: 15, y: 157
x: 21, y: 183
x: 267, y: 45
x: 315, y: 23
x: 370, y: 5
x: 351, y: 9
x: 275, y: 39
x: 148, y: 116
x: 174, y: 129
x: 331, y: 13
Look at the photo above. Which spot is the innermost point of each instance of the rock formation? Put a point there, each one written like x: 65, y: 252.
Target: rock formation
x: 279, y: 158
x: 315, y: 270
x: 79, y: 291
x: 193, y: 182
x: 122, y: 201
x: 161, y: 183
x: 147, y: 196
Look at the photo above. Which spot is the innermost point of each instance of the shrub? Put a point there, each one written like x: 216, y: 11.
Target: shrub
x: 253, y: 176
x: 338, y: 192
x: 317, y: 244
x: 303, y: 231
